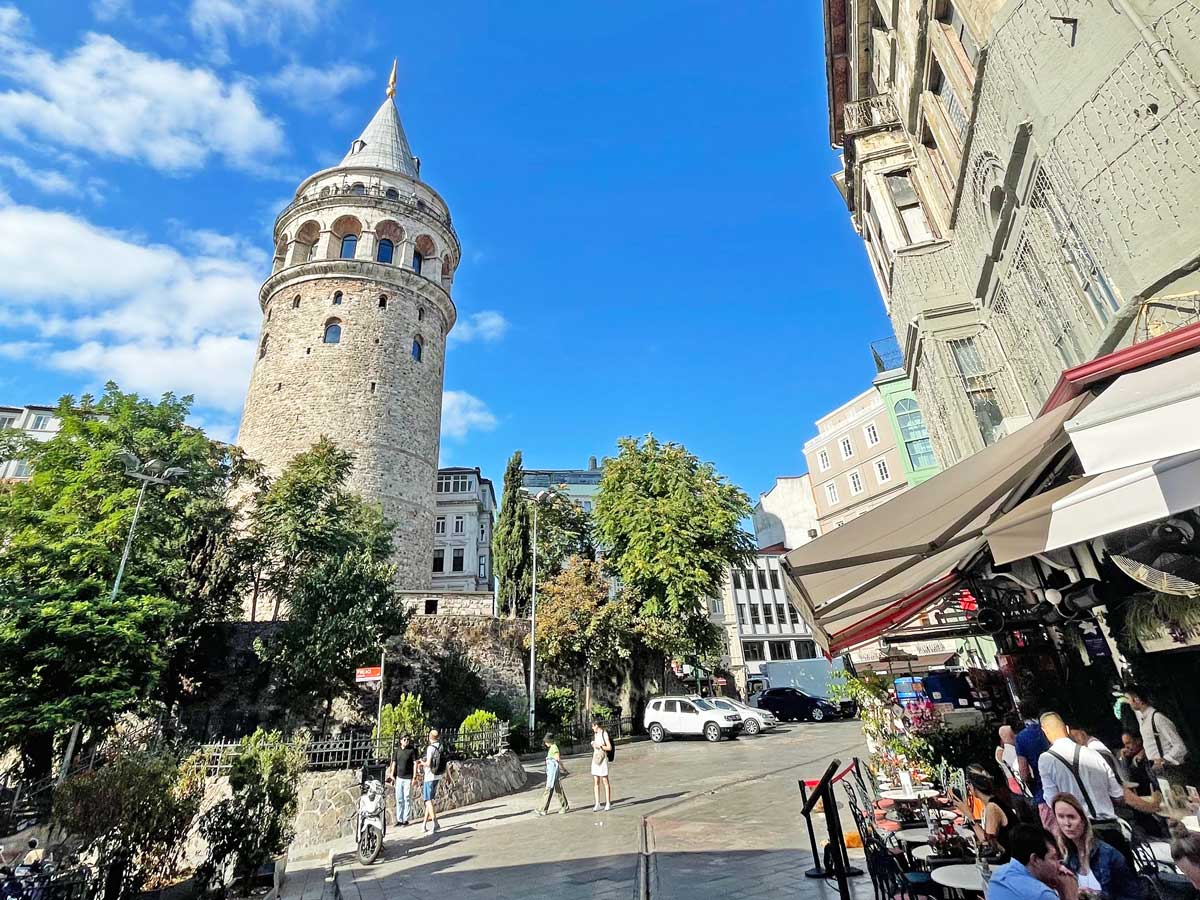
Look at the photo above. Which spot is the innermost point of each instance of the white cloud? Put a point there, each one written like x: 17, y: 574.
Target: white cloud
x: 255, y: 21
x: 463, y: 412
x: 485, y: 326
x: 22, y: 349
x: 312, y: 86
x: 118, y: 307
x: 110, y: 100
x: 50, y: 181
x: 107, y: 10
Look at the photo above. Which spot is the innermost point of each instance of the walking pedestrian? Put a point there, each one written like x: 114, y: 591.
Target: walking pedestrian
x: 555, y: 772
x: 433, y: 766
x: 602, y: 752
x: 1164, y: 747
x: 404, y: 762
x: 1031, y: 744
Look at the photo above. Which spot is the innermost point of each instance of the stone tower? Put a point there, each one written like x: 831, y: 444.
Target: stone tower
x: 355, y: 317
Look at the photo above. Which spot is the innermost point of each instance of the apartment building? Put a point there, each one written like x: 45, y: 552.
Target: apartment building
x: 37, y: 422
x: 462, y: 531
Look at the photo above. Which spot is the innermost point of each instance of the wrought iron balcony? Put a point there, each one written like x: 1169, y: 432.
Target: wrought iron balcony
x: 869, y: 114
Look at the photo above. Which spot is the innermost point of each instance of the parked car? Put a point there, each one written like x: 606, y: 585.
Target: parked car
x: 686, y: 716
x: 792, y: 704
x: 753, y: 720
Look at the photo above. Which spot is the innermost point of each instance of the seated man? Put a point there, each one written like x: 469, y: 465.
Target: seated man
x: 1035, y: 872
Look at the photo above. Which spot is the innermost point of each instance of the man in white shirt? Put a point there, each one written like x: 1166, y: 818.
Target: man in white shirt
x: 1068, y: 768
x: 432, y: 763
x: 1006, y: 756
x: 1160, y: 738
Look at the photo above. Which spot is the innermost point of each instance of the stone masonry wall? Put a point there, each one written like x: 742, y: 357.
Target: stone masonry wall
x: 449, y: 603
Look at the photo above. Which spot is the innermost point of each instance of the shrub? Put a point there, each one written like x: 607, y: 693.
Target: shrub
x: 255, y: 823
x: 454, y: 689
x: 405, y: 716
x: 134, y: 816
x: 480, y: 720
x: 557, y: 707
x: 602, y: 712
x: 962, y: 746
x: 500, y: 705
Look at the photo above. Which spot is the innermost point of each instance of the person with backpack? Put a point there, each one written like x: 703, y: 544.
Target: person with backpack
x: 434, y: 767
x: 602, y: 754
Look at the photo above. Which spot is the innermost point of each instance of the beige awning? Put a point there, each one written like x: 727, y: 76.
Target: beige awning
x: 891, y: 554
x: 1091, y: 507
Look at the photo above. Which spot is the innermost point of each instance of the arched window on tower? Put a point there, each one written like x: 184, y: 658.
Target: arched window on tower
x: 417, y: 260
x: 392, y: 194
x: 349, y: 246
x: 420, y: 314
x: 383, y: 301
x: 385, y: 251
x: 337, y: 298
x: 333, y: 332
x: 262, y: 347
x: 359, y: 189
x: 417, y: 348
x: 296, y: 302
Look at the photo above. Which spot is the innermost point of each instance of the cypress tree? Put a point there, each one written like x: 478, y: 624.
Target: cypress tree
x: 511, y: 543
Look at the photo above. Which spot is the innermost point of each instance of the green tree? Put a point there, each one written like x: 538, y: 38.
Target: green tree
x: 671, y: 527
x: 327, y: 553
x: 67, y: 653
x: 511, y: 541
x: 405, y: 716
x: 580, y: 627
x: 564, y: 530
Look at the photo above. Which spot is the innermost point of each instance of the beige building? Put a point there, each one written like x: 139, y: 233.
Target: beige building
x: 355, y: 315
x: 785, y: 517
x: 853, y: 461
x: 36, y: 422
x: 462, y: 531
x: 1023, y: 175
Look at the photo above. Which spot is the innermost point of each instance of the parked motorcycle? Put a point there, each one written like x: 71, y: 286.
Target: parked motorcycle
x: 372, y: 821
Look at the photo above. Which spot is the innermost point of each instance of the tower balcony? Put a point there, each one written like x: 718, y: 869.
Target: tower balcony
x: 869, y: 114
x: 410, y: 205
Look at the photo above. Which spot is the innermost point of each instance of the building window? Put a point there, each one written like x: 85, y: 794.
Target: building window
x: 781, y: 649
x: 439, y: 525
x: 392, y: 194
x: 969, y: 362
x: 831, y: 493
x: 482, y: 532
x: 431, y: 606
x: 823, y: 460
x: 349, y: 246
x: 780, y: 615
x: 737, y: 579
x: 21, y: 469
x: 774, y: 579
x: 882, y: 474
x: 439, y: 560
x: 333, y: 332
x: 262, y: 347
x: 749, y: 580
x: 753, y: 651
x: 855, y: 483
x: 443, y: 484
x: 460, y: 525
x: 337, y: 298
x: 417, y: 349
x: 871, y: 433
x: 741, y: 614
x: 755, y: 614
x: 806, y: 649
x: 716, y: 607
x: 296, y: 302
x: 914, y: 434
x: 7, y: 422
x: 768, y: 615
x: 483, y: 567
x: 913, y: 220
x: 418, y: 259
x: 847, y: 448
x: 795, y: 612
x: 957, y: 27
x: 456, y: 564
x: 762, y: 579
x: 359, y: 189
x: 420, y: 314
x: 385, y: 250
x: 383, y: 301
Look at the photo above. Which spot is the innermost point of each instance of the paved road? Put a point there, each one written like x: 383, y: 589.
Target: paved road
x: 721, y: 822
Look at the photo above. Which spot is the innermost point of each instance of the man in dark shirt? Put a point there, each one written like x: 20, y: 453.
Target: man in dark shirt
x: 401, y: 771
x: 1031, y: 744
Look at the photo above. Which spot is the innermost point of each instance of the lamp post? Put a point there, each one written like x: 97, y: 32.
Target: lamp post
x: 152, y: 471
x: 536, y: 501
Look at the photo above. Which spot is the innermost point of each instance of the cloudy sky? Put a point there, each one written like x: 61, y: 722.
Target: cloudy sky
x: 651, y: 241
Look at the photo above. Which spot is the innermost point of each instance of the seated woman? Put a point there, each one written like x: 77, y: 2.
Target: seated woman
x: 1099, y: 866
x: 992, y: 816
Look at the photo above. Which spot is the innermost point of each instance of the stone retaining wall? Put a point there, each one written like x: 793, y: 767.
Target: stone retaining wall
x: 449, y: 603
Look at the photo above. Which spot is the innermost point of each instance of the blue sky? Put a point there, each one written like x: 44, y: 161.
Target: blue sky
x: 651, y: 240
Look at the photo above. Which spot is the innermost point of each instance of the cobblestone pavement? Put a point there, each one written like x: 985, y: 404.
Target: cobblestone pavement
x: 722, y: 821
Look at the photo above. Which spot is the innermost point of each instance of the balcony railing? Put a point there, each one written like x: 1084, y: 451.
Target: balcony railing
x: 869, y: 113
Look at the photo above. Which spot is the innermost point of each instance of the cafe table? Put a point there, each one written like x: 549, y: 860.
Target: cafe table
x: 917, y: 795
x: 959, y: 877
x: 913, y: 835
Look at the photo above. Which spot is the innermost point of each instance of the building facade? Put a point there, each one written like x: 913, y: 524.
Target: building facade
x: 355, y: 315
x: 761, y: 624
x: 1021, y: 174
x: 462, y: 531
x: 579, y: 485
x: 785, y: 517
x: 36, y: 422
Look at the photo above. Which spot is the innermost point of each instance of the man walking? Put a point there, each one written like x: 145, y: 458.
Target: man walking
x: 1031, y: 744
x: 404, y: 762
x: 554, y: 776
x: 434, y: 766
x: 1164, y: 747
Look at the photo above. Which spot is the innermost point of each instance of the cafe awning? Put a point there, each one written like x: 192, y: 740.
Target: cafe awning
x: 1097, y: 505
x: 858, y: 580
x: 1150, y: 414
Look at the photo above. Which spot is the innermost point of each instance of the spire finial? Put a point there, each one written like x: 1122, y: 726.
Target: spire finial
x: 391, y: 88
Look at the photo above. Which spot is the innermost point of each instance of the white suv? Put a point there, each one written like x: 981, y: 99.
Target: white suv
x: 683, y: 716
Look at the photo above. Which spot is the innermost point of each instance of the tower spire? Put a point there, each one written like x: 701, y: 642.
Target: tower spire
x: 391, y: 88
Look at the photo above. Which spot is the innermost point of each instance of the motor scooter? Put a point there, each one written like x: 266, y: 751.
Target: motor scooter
x: 372, y: 821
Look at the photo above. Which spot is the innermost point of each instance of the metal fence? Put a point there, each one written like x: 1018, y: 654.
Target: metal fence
x: 357, y: 750
x: 580, y: 732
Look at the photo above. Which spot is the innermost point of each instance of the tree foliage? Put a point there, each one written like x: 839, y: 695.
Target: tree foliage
x: 327, y: 553
x: 67, y: 653
x: 579, y: 625
x: 133, y: 817
x: 511, y: 541
x: 564, y: 531
x: 405, y: 716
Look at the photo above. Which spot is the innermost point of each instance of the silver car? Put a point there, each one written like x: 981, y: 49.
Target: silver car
x: 754, y: 720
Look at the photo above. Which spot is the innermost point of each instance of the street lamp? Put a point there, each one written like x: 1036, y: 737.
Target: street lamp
x: 537, y: 500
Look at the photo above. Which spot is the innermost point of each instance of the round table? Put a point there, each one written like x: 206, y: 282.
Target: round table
x: 913, y: 835
x: 922, y: 853
x: 960, y: 877
x: 915, y: 797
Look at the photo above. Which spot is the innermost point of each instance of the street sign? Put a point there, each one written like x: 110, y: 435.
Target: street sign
x: 367, y: 674
x: 720, y: 679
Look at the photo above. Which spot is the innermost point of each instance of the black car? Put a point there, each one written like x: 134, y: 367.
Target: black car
x: 791, y: 704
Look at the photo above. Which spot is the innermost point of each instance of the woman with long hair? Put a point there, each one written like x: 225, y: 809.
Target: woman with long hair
x: 1099, y: 866
x: 995, y: 815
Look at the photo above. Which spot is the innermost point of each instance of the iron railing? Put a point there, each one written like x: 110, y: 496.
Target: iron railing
x: 869, y: 113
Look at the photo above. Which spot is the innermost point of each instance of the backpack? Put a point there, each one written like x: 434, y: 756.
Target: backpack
x: 611, y: 752
x: 437, y: 761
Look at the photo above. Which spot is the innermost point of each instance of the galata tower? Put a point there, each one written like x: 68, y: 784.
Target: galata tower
x: 355, y: 315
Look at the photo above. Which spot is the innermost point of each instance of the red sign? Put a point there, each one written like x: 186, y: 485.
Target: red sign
x: 364, y: 674
x: 720, y: 679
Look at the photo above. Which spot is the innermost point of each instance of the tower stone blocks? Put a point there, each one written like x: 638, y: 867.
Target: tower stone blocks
x: 355, y: 317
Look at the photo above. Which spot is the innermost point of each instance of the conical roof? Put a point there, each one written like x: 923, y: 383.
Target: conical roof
x: 382, y: 143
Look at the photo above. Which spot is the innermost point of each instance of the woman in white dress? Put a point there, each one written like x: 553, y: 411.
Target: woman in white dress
x: 601, y: 747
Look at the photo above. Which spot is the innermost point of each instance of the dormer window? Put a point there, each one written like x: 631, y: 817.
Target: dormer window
x: 358, y: 146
